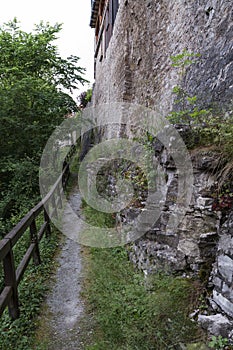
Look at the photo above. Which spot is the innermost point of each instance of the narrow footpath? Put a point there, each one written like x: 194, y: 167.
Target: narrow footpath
x: 65, y: 324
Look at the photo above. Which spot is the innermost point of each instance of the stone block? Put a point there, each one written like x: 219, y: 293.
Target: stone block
x: 208, y: 245
x: 204, y: 203
x: 216, y: 324
x: 192, y: 225
x: 226, y: 244
x: 209, y: 237
x: 225, y: 267
x: 228, y: 291
x: 223, y: 303
x: 217, y: 282
x: 189, y: 248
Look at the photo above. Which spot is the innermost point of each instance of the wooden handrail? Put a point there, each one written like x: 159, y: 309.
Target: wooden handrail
x: 13, y: 276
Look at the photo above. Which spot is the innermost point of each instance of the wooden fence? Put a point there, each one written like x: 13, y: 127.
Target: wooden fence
x: 13, y: 275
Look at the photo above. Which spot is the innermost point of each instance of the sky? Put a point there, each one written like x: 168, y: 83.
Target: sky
x: 76, y: 36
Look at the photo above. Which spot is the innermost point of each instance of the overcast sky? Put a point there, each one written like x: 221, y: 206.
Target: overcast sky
x: 76, y: 37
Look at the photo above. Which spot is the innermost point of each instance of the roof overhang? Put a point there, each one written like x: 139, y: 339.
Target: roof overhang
x: 94, y: 12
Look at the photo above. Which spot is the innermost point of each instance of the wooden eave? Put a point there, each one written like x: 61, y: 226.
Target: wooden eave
x: 94, y: 12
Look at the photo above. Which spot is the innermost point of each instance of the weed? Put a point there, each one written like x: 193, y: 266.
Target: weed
x: 219, y: 343
x: 207, y: 126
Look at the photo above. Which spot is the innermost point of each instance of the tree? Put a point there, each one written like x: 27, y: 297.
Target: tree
x: 84, y: 98
x: 33, y: 101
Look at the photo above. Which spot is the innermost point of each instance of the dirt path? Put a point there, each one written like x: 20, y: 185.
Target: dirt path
x: 65, y: 324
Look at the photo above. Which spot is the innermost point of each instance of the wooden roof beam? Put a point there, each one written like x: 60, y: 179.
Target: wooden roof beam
x: 94, y: 12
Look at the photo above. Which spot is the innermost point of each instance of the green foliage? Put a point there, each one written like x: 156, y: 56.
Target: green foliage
x: 184, y: 59
x: 97, y: 218
x: 207, y: 126
x: 219, y: 343
x: 33, y: 75
x: 19, y: 334
x: 89, y: 95
x: 22, y: 190
x: 84, y: 98
x: 188, y: 112
x: 133, y: 311
x: 33, y: 78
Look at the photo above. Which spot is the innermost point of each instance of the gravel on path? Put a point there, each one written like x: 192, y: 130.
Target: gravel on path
x: 67, y: 325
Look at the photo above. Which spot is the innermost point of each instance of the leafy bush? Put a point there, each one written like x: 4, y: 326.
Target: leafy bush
x: 33, y: 78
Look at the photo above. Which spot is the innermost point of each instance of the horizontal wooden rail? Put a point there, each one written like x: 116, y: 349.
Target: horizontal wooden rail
x: 5, y: 298
x: 12, y: 275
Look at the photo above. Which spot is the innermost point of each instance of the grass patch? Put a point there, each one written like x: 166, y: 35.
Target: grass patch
x: 132, y: 312
x: 97, y: 218
x: 19, y: 334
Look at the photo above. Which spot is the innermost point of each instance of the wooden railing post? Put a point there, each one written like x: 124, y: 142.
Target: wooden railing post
x: 59, y: 195
x: 10, y: 280
x: 12, y: 276
x: 54, y: 206
x: 47, y: 219
x: 34, y: 239
x: 66, y: 174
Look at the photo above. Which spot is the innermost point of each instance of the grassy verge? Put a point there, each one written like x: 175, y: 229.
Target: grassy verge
x: 132, y: 312
x: 19, y: 334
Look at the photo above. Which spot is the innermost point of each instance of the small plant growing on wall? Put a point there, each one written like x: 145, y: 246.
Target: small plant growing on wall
x: 188, y: 111
x: 219, y: 343
x: 207, y: 126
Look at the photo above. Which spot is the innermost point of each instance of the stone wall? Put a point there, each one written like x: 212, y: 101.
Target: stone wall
x: 223, y: 268
x: 137, y: 66
x: 202, y: 245
x: 220, y: 320
x: 192, y: 246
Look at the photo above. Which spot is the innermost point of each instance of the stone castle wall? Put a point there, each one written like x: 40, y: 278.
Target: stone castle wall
x: 137, y: 68
x: 192, y: 245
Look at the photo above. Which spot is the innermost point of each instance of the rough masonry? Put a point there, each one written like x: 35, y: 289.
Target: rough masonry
x: 136, y: 68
